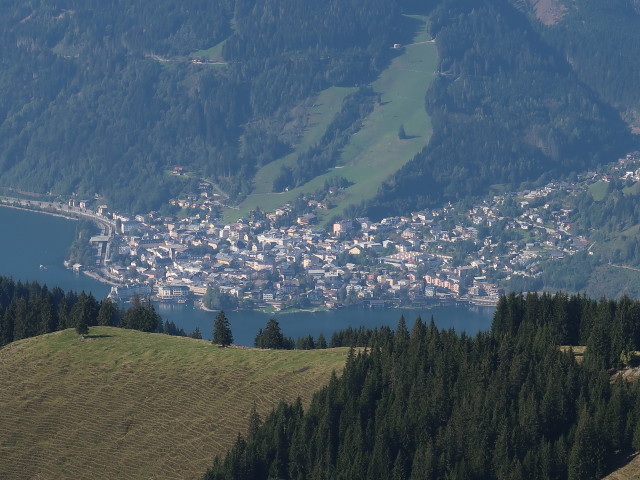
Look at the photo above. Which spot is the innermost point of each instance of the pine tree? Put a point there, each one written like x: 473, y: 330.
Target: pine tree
x: 108, y: 313
x: 221, y: 330
x: 254, y: 422
x: 196, y: 334
x: 271, y: 336
x: 82, y: 327
x: 586, y: 458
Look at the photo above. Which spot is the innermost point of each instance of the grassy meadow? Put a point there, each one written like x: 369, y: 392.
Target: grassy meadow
x: 126, y: 404
x: 375, y: 152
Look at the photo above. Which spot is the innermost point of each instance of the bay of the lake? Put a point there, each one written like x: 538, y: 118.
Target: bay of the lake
x: 33, y: 246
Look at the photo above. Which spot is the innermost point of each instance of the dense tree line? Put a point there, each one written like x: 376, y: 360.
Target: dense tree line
x: 309, y: 343
x: 426, y: 403
x: 30, y: 309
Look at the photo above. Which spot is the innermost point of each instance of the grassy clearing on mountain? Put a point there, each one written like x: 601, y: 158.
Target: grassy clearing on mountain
x: 599, y: 190
x: 125, y: 404
x: 212, y: 54
x: 376, y: 151
x: 326, y: 105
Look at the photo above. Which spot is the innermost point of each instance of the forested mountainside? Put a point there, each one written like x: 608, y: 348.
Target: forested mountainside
x: 506, y: 107
x: 107, y: 97
x: 104, y: 96
x: 600, y: 42
x: 428, y: 404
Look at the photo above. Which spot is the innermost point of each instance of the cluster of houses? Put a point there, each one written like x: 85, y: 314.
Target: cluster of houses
x: 396, y: 261
x: 427, y: 257
x: 388, y: 263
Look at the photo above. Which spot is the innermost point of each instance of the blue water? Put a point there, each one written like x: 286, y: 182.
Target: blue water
x: 29, y: 240
x: 245, y: 325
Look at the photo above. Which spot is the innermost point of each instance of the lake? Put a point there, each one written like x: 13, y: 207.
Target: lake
x: 33, y: 246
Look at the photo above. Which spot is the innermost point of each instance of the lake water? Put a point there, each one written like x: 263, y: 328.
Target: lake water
x: 31, y: 240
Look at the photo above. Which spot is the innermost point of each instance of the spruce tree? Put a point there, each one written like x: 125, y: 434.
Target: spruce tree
x: 271, y: 336
x: 82, y: 327
x: 196, y: 334
x: 322, y: 342
x: 221, y: 330
x: 108, y: 313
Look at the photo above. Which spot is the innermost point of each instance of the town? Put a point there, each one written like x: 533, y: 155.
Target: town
x: 284, y: 260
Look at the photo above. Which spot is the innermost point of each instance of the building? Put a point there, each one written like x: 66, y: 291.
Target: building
x: 173, y: 292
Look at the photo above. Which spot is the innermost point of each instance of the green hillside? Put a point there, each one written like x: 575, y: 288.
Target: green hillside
x: 125, y: 404
x: 375, y: 152
x: 104, y: 99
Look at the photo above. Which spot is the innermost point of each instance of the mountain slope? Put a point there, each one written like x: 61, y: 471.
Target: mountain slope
x: 99, y: 97
x: 105, y: 98
x: 125, y: 404
x: 601, y: 41
x: 374, y: 151
x: 506, y: 108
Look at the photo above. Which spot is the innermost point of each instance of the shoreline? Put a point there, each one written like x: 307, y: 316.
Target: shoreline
x: 54, y: 213
x: 36, y: 207
x: 99, y: 278
x: 463, y: 305
x: 7, y: 202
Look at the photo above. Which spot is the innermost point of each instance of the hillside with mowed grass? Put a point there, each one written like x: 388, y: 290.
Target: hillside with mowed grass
x: 630, y: 471
x: 126, y: 404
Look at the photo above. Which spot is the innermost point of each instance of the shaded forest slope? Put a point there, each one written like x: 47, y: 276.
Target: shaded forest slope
x: 430, y: 404
x: 510, y: 105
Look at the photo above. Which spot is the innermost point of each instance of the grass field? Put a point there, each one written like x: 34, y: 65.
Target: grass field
x: 125, y: 404
x: 375, y: 152
x: 632, y: 189
x: 599, y: 190
x: 320, y: 116
x: 213, y: 54
x: 630, y: 470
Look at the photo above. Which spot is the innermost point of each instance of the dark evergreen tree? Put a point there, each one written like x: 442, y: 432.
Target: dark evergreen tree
x: 196, y: 334
x: 272, y: 337
x: 222, y: 330
x: 82, y: 327
x: 322, y: 342
x: 141, y: 315
x: 402, y: 135
x: 108, y: 313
